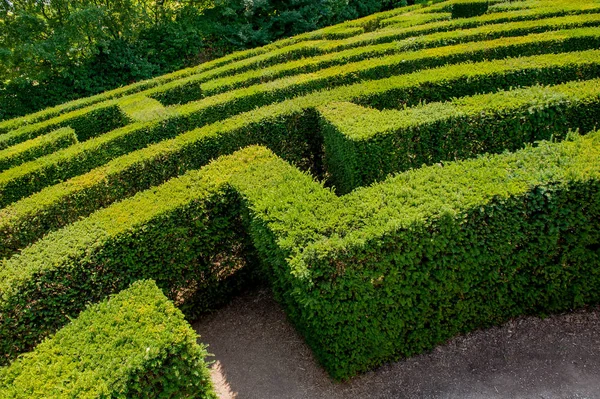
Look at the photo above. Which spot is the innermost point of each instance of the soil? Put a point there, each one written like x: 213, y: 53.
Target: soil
x: 259, y: 355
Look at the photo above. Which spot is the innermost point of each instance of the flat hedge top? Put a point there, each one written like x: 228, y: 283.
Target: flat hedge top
x: 98, y: 353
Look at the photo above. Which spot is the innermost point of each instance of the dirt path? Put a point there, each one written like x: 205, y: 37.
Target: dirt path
x: 260, y: 356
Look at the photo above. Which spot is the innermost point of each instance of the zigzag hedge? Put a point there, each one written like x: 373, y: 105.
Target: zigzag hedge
x: 201, y: 179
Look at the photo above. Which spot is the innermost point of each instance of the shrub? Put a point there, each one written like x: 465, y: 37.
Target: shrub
x: 289, y: 128
x: 386, y: 271
x: 365, y: 145
x: 37, y: 147
x: 469, y: 8
x: 135, y: 344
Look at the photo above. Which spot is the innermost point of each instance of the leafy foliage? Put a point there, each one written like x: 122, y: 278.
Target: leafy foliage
x: 55, y: 51
x: 160, y: 183
x: 135, y: 344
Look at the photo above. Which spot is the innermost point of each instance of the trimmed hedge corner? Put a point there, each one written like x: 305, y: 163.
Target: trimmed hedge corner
x: 134, y: 345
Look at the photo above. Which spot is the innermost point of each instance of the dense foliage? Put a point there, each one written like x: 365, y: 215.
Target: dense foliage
x: 364, y: 168
x: 133, y: 345
x: 60, y: 50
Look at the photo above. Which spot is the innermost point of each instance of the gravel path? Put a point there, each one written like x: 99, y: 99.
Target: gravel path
x: 258, y: 355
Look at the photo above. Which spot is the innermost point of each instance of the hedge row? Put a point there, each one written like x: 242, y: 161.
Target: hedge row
x: 31, y: 177
x: 187, y: 235
x: 265, y: 56
x: 483, y: 32
x: 386, y: 271
x: 168, y: 94
x: 365, y: 145
x: 290, y: 128
x: 37, y: 147
x: 86, y: 123
x: 439, y: 251
x: 541, y: 43
x: 135, y: 344
x: 252, y: 71
x: 538, y: 10
x: 330, y: 32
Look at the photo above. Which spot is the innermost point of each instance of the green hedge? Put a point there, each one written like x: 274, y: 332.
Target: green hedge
x: 134, y: 345
x: 386, y: 271
x: 467, y: 34
x: 187, y: 235
x: 333, y: 32
x: 86, y: 123
x: 283, y: 50
x: 542, y: 43
x: 533, y: 13
x: 365, y: 145
x: 469, y: 8
x: 289, y: 128
x: 31, y: 177
x: 37, y: 147
x: 185, y: 90
x: 406, y: 264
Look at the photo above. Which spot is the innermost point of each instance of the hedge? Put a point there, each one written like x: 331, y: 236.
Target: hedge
x: 539, y: 10
x: 134, y: 345
x: 542, y: 43
x: 205, y: 85
x: 290, y: 128
x: 364, y: 145
x: 31, y: 177
x: 322, y: 34
x: 187, y: 235
x: 443, y: 250
x: 37, y: 147
x: 469, y: 8
x: 172, y: 92
x: 274, y: 53
x: 454, y: 36
x: 387, y: 271
x: 86, y: 123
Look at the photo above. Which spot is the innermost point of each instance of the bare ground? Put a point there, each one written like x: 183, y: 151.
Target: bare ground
x: 258, y: 355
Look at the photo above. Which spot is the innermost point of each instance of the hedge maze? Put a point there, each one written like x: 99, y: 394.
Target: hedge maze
x: 398, y: 179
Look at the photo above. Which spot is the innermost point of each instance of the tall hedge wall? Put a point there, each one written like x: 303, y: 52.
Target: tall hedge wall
x: 365, y: 145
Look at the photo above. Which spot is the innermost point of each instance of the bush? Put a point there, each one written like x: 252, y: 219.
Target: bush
x: 364, y: 145
x: 397, y: 268
x: 135, y: 344
x: 386, y: 271
x: 469, y: 8
x: 300, y: 46
x: 87, y: 123
x: 187, y: 236
x: 37, y: 147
